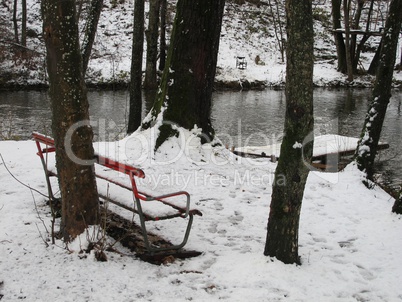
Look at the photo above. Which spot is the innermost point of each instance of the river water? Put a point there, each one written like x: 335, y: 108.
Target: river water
x: 251, y: 118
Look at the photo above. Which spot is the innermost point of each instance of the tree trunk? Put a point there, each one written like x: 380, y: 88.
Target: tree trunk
x: 400, y: 62
x: 397, y: 208
x: 162, y: 46
x: 366, y: 36
x: 339, y: 42
x: 375, y: 61
x: 186, y: 88
x: 70, y: 118
x: 368, y: 143
x: 91, y: 26
x: 16, y: 37
x: 24, y: 24
x: 357, y: 52
x: 349, y: 66
x: 134, y: 117
x: 150, y: 81
x: 355, y: 25
x: 297, y: 145
x: 275, y: 10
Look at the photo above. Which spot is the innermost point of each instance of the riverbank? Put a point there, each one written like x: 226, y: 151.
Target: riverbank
x: 222, y: 83
x: 247, y: 31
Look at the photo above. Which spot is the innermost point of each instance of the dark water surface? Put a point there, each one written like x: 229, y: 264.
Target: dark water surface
x: 240, y: 118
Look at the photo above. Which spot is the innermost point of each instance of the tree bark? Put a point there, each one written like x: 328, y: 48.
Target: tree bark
x: 16, y: 36
x: 297, y: 145
x: 24, y: 23
x: 70, y: 118
x: 134, y: 117
x: 187, y: 82
x: 275, y: 10
x: 349, y: 66
x: 370, y: 136
x: 400, y: 62
x: 357, y: 49
x: 355, y: 25
x: 375, y: 61
x: 150, y: 81
x: 397, y: 208
x: 91, y: 26
x: 162, y: 43
x: 339, y: 42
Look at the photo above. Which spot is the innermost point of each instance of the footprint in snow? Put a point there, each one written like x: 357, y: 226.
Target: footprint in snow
x: 236, y: 218
x: 218, y: 206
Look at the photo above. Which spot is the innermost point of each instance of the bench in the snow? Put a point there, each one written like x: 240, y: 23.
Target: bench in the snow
x: 148, y: 207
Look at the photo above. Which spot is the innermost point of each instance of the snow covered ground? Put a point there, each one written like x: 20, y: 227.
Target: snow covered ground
x: 350, y: 241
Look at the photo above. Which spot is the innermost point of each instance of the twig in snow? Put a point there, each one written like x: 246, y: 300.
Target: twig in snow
x: 25, y: 185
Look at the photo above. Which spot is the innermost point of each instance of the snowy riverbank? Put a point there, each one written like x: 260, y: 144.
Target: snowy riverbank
x: 246, y: 32
x: 350, y: 241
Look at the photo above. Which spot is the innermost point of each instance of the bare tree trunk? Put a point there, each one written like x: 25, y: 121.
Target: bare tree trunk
x: 339, y: 42
x: 187, y: 81
x: 278, y: 28
x: 91, y: 26
x: 355, y: 25
x: 24, y: 24
x: 375, y: 61
x: 70, y: 118
x: 162, y: 46
x: 346, y: 12
x: 366, y: 36
x: 79, y: 11
x: 134, y: 117
x: 16, y: 36
x: 400, y: 62
x: 368, y: 143
x: 297, y: 145
x: 150, y: 81
x: 397, y: 208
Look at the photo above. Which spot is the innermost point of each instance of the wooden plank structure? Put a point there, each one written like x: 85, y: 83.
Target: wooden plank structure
x: 241, y: 62
x: 328, y: 149
x: 360, y: 32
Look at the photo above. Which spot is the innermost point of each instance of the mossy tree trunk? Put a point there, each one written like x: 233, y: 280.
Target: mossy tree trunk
x: 297, y: 144
x: 70, y: 118
x: 187, y: 82
x: 368, y: 144
x: 134, y: 117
